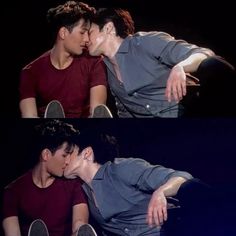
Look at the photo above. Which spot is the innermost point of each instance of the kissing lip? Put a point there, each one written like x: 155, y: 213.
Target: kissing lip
x: 84, y: 45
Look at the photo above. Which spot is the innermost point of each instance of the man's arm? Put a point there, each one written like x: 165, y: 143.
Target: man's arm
x: 80, y: 217
x: 11, y: 226
x: 157, y: 208
x: 176, y: 83
x: 98, y: 95
x: 28, y: 108
x: 192, y: 63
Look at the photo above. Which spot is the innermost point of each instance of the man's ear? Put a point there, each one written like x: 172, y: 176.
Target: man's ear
x: 109, y: 28
x: 45, y: 154
x: 88, y: 153
x: 62, y: 32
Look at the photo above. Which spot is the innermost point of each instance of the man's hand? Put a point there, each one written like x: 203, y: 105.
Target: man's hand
x: 157, y: 209
x: 176, y: 84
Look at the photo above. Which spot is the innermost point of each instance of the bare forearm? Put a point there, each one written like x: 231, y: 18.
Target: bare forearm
x: 76, y: 226
x: 11, y: 226
x: 192, y: 63
x: 80, y: 217
x: 98, y: 95
x: 171, y: 187
x: 28, y: 108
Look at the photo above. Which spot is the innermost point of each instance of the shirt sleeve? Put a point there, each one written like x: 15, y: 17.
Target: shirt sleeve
x: 169, y: 50
x: 9, y: 203
x: 147, y: 177
x: 78, y: 193
x: 27, y: 84
x: 98, y: 74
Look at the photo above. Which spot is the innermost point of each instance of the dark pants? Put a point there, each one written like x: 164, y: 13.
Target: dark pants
x: 204, y: 210
x: 216, y: 94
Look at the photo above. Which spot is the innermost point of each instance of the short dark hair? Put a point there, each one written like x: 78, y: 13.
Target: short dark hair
x: 68, y: 15
x: 104, y: 145
x: 121, y: 19
x: 52, y: 134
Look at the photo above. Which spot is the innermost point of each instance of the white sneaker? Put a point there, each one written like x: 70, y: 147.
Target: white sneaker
x: 54, y: 109
x: 86, y: 230
x: 38, y: 228
x: 101, y: 111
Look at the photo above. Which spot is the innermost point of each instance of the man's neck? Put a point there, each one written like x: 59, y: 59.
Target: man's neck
x: 113, y: 47
x: 41, y: 178
x: 59, y: 58
x: 90, y: 174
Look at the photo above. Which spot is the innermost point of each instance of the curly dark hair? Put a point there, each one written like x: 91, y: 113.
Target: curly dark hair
x: 68, y: 15
x: 52, y: 134
x: 121, y: 19
x: 104, y: 144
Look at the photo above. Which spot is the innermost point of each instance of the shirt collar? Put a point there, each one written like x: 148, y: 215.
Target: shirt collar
x: 101, y: 171
x: 124, y: 47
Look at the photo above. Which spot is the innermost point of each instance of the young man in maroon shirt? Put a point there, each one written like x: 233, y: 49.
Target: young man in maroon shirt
x: 42, y: 193
x: 65, y: 73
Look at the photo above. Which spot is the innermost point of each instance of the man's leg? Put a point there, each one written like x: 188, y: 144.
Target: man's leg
x: 217, y: 88
x: 203, y: 210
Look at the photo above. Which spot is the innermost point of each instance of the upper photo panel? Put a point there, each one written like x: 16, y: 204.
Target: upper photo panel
x: 118, y: 59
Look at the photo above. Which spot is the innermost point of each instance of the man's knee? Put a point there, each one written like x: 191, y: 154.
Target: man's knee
x: 215, y: 66
x: 217, y: 84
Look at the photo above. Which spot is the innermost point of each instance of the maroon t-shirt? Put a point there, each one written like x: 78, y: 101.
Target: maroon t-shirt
x: 53, y: 204
x: 71, y: 86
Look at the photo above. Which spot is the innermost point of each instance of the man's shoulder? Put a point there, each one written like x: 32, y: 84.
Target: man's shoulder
x: 142, y: 35
x: 124, y: 163
x: 123, y: 160
x: 38, y: 61
x: 125, y: 167
x: 20, y: 181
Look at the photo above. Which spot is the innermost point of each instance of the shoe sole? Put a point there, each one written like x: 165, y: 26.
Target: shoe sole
x: 101, y: 111
x: 54, y: 109
x: 38, y: 228
x: 86, y: 230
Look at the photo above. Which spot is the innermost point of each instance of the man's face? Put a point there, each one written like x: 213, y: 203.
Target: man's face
x: 75, y: 166
x: 58, y: 161
x: 97, y: 40
x: 76, y: 40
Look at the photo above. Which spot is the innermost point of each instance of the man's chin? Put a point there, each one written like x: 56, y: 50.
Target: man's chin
x: 92, y: 53
x: 69, y: 176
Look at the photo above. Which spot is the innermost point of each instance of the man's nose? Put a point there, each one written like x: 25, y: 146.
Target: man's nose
x: 67, y: 160
x: 87, y: 44
x: 86, y: 37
